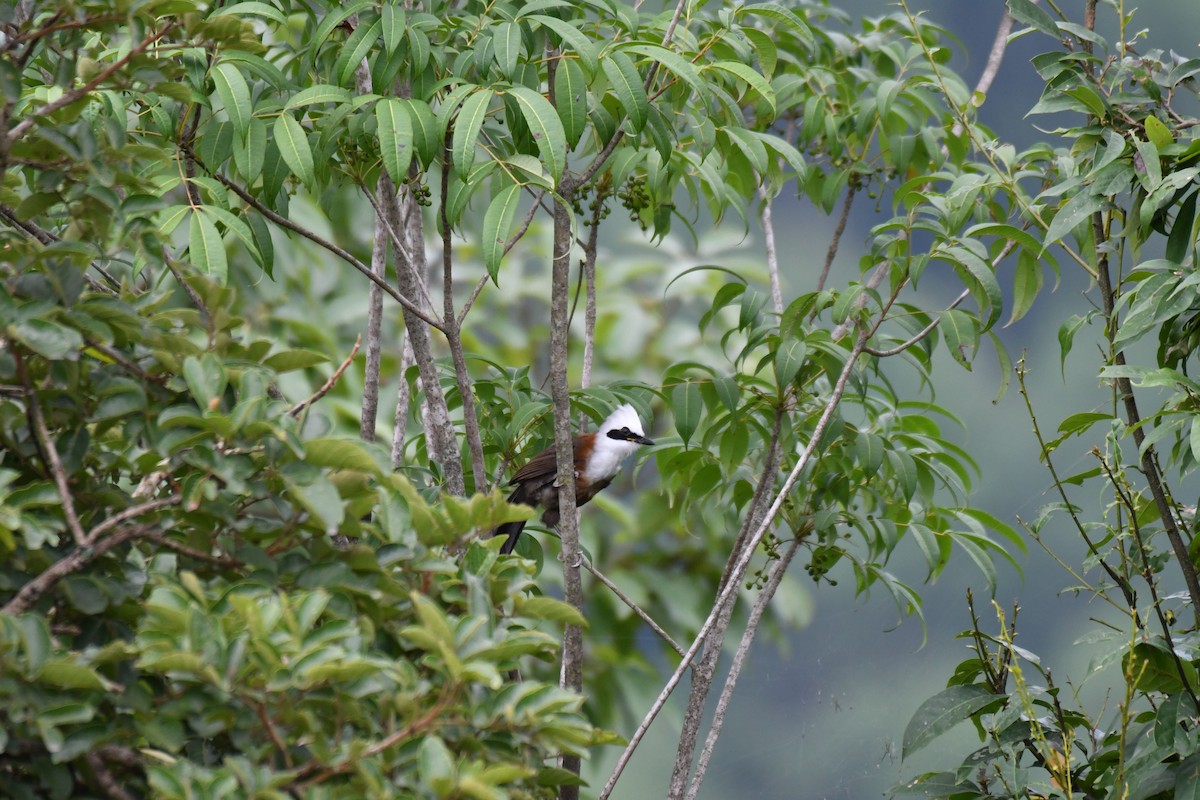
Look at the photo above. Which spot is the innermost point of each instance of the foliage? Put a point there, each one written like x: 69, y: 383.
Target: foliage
x: 1121, y: 193
x: 213, y: 589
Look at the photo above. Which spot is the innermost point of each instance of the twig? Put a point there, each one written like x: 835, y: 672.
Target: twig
x: 768, y: 225
x: 338, y: 251
x: 838, y: 230
x: 133, y: 512
x: 627, y: 600
x: 296, y: 410
x: 731, y: 586
x: 919, y: 335
x: 462, y: 375
x: 369, y: 416
x: 400, y: 421
x: 49, y: 453
x: 67, y: 98
x: 191, y: 552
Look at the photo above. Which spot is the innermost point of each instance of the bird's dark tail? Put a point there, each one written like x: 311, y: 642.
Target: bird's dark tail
x: 513, y: 531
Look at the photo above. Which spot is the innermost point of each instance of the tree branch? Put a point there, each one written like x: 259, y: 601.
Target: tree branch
x: 634, y: 607
x: 298, y: 409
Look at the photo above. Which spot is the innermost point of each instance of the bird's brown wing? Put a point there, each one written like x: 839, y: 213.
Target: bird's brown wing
x: 541, y: 467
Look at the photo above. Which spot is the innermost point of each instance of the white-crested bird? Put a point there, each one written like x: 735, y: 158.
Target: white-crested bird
x: 598, y: 458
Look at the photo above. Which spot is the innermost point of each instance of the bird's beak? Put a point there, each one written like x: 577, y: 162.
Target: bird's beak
x: 643, y: 440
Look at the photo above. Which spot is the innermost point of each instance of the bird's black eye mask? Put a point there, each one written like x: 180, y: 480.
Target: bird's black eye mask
x: 622, y: 435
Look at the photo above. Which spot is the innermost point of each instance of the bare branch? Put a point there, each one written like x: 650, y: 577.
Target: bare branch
x: 838, y: 230
x: 340, y: 252
x: 919, y: 335
x: 298, y: 409
x: 108, y: 783
x: 627, y: 600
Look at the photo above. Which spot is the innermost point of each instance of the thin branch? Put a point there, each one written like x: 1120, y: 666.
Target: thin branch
x: 298, y: 409
x: 49, y: 452
x: 731, y: 586
x: 338, y: 251
x: 133, y: 512
x: 403, y: 396
x: 838, y: 230
x: 369, y: 416
x: 67, y: 98
x: 589, y: 278
x: 768, y: 225
x: 462, y: 375
x: 919, y: 335
x: 627, y: 600
x: 191, y: 552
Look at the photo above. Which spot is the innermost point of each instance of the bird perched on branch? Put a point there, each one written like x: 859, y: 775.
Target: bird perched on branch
x: 598, y: 458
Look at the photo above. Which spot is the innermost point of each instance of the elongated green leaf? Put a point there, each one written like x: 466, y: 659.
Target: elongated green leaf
x: 942, y: 712
x: 570, y: 35
x: 355, y: 50
x: 335, y: 453
x: 497, y: 227
x: 392, y: 19
x: 250, y: 152
x: 980, y: 279
x: 1027, y: 282
x: 395, y: 131
x: 627, y: 85
x: 205, y: 248
x: 321, y: 93
x: 1033, y: 16
x: 294, y: 148
x: 570, y: 100
x: 748, y: 76
x: 426, y: 137
x: 781, y: 14
x: 549, y: 608
x: 546, y: 127
x: 332, y: 20
x: 686, y: 405
x: 961, y: 335
x: 252, y: 9
x: 674, y: 63
x: 508, y: 45
x: 467, y: 125
x: 1072, y: 213
x: 235, y: 95
x: 789, y: 358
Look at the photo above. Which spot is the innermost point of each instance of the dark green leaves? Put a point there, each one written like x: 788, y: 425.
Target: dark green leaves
x: 497, y: 227
x: 395, y: 132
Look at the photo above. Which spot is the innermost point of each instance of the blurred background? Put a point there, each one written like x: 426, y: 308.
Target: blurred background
x: 822, y: 713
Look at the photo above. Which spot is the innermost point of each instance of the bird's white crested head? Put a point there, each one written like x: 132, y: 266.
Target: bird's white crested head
x: 623, y: 417
x: 619, y: 436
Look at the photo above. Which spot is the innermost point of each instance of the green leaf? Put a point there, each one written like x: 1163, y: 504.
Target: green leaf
x: 395, y: 132
x: 551, y: 609
x: 333, y: 453
x: 686, y: 405
x: 961, y: 335
x: 48, y: 339
x: 1158, y: 132
x: 426, y: 136
x: 506, y: 38
x: 545, y: 126
x: 294, y: 148
x: 235, y: 96
x: 942, y: 712
x: 570, y: 100
x: 467, y: 125
x: 627, y: 85
x: 291, y: 360
x: 1034, y: 16
x: 206, y: 249
x: 206, y: 379
x: 321, y: 93
x: 751, y: 78
x: 1070, y: 215
x: 498, y: 227
x: 789, y: 358
x: 1181, y: 240
x: 676, y: 64
x: 1027, y: 282
x: 781, y: 14
x: 392, y: 18
x: 569, y: 34
x: 70, y: 675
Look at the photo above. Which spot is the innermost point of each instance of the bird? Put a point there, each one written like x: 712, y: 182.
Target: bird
x: 598, y: 458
